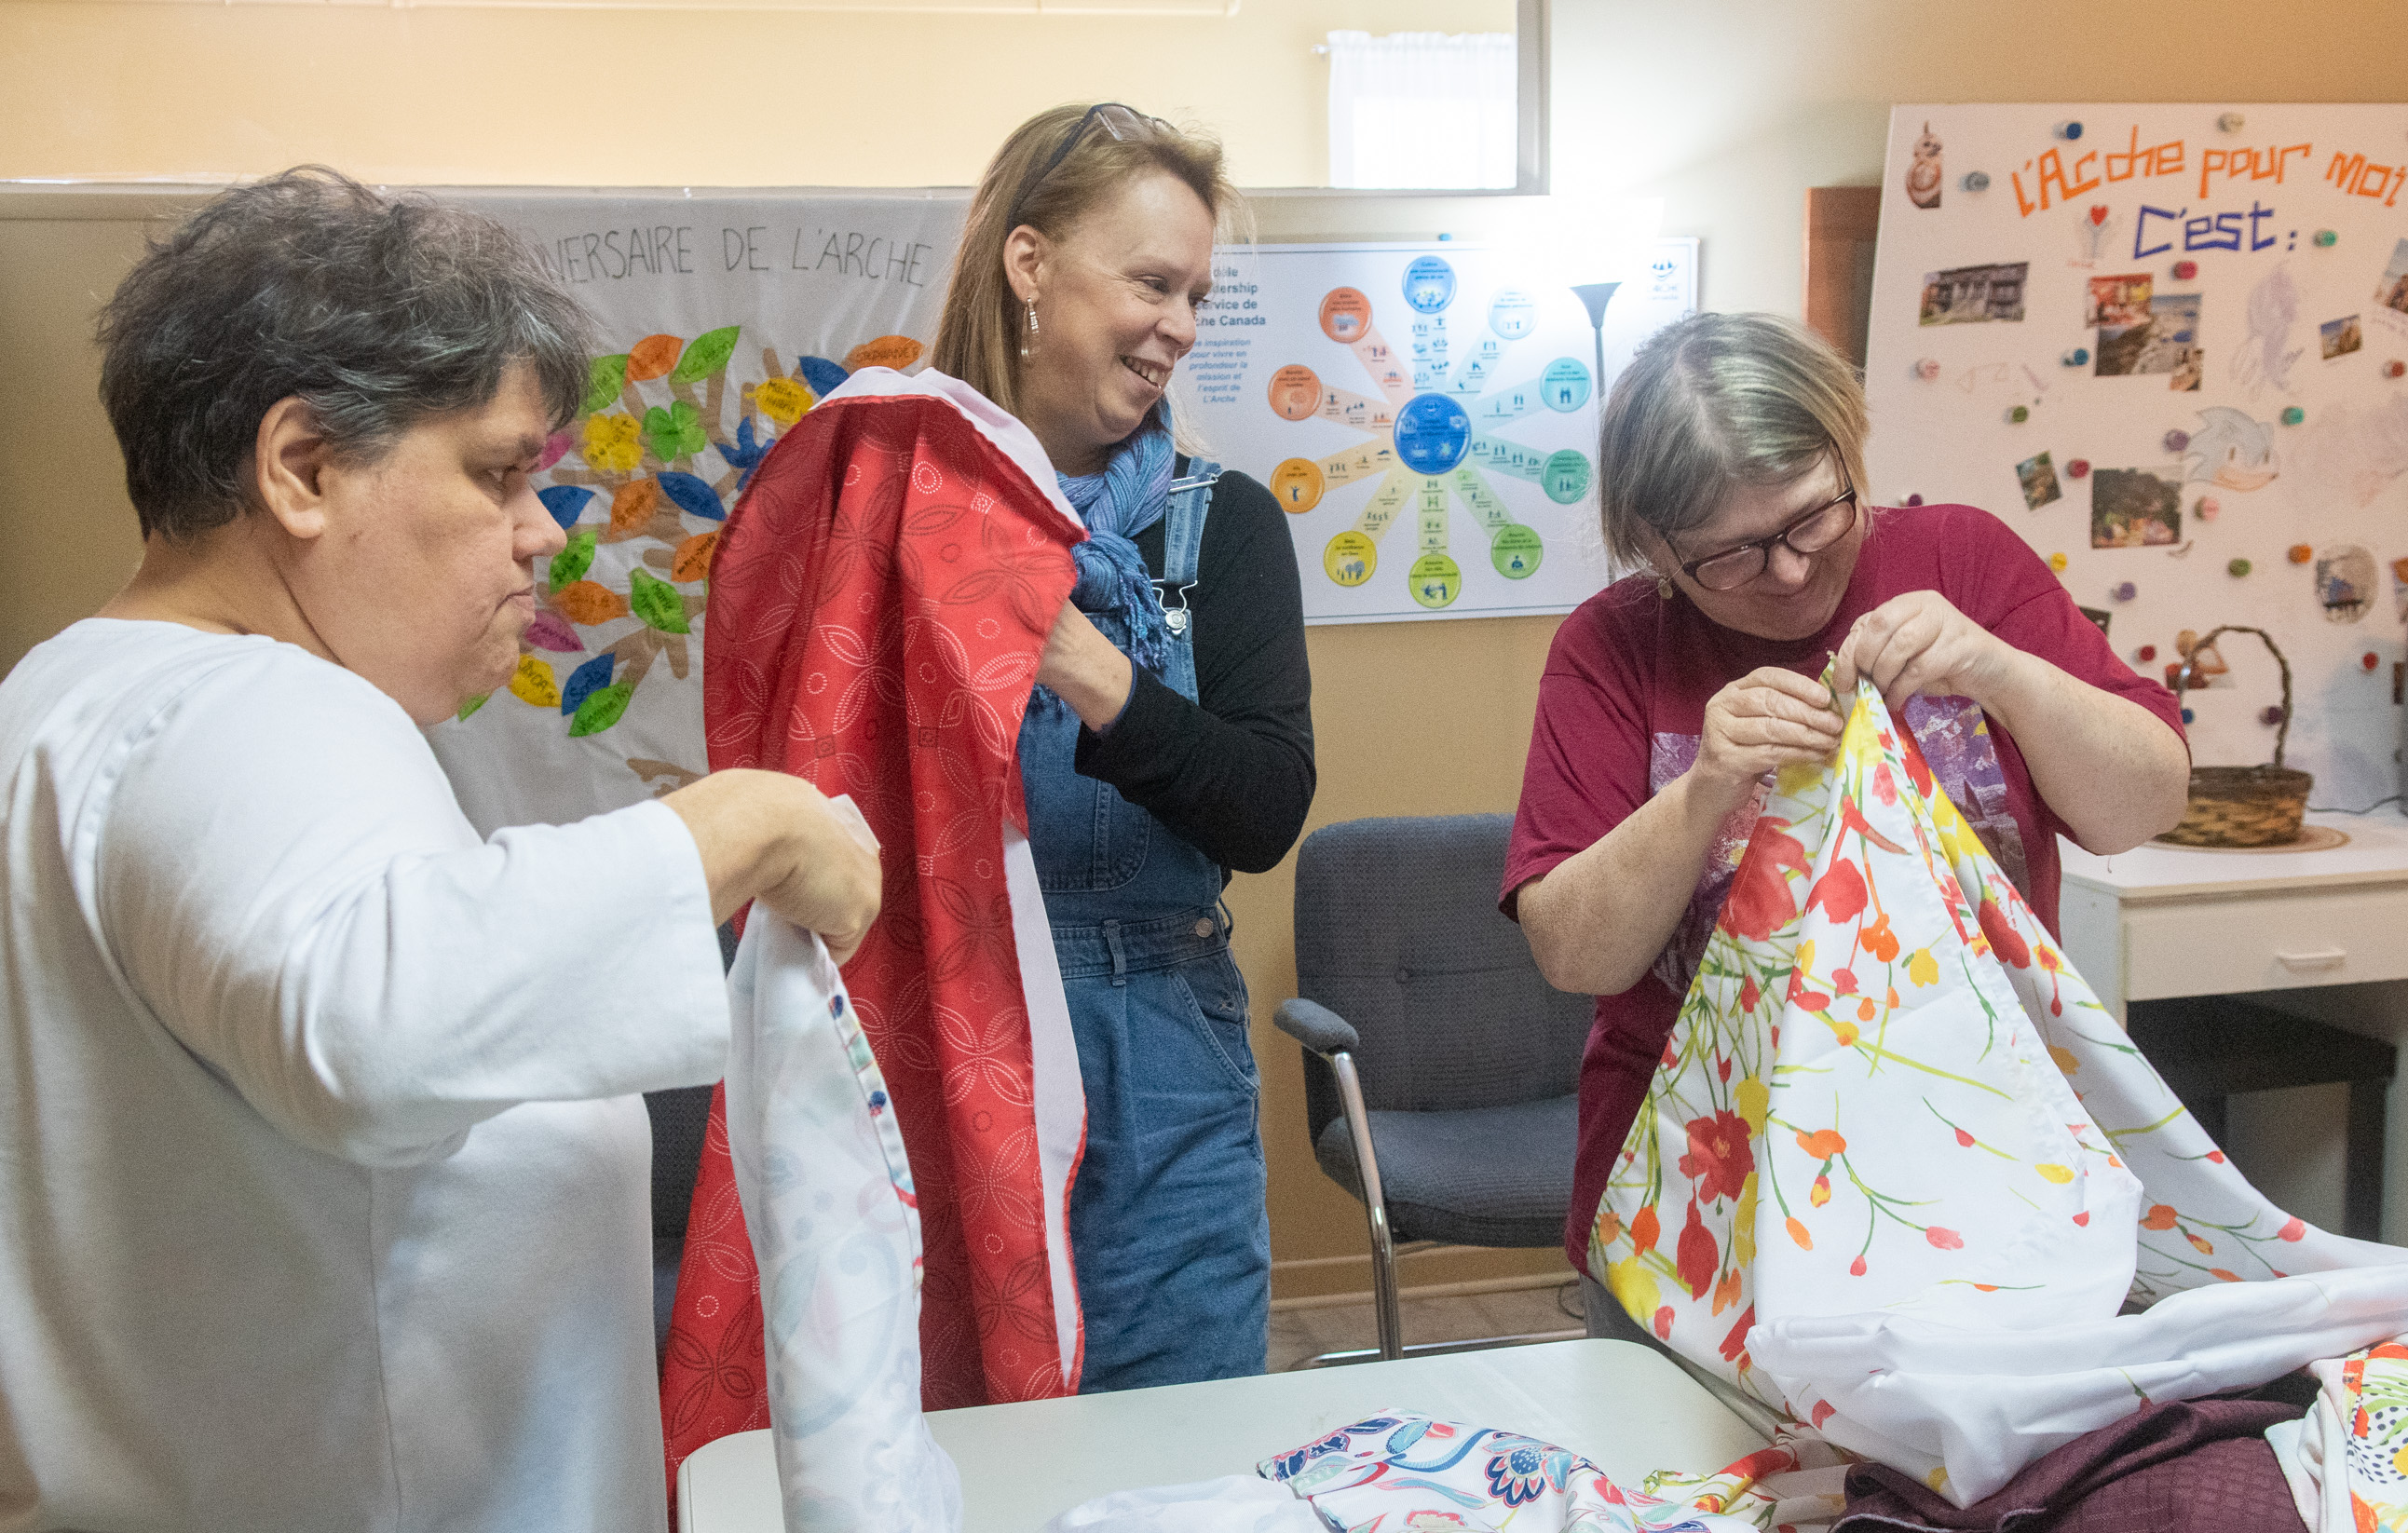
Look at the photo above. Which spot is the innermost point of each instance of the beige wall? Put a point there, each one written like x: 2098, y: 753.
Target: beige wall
x: 1727, y: 108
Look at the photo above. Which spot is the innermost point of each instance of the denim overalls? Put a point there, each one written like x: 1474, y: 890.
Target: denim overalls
x: 1167, y: 1223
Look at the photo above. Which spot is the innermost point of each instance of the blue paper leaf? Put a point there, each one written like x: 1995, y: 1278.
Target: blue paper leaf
x: 822, y: 376
x: 565, y: 502
x: 745, y: 452
x: 693, y: 496
x: 585, y: 679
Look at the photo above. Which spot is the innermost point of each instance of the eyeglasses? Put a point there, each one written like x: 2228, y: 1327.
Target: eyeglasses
x: 1123, y: 123
x: 1808, y: 534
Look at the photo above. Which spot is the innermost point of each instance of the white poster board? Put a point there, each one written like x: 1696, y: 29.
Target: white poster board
x: 2196, y: 310
x: 1427, y: 413
x: 721, y: 317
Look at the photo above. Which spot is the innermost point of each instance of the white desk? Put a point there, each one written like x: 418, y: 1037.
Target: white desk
x: 2159, y: 922
x: 1628, y: 1409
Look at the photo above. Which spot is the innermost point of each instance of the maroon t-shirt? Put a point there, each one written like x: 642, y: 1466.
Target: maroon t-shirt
x: 1622, y: 707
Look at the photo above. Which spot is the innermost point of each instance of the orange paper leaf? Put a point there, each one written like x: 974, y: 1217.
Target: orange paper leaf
x: 589, y: 603
x: 653, y: 357
x: 631, y: 509
x: 693, y: 559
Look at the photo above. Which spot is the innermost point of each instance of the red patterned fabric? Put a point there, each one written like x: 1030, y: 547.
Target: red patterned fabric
x: 878, y: 604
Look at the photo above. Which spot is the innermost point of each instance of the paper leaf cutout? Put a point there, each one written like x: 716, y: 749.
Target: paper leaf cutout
x: 821, y: 374
x: 554, y: 448
x: 897, y: 352
x: 601, y: 709
x: 782, y: 399
x: 632, y: 508
x: 613, y: 443
x: 571, y: 564
x: 693, y: 560
x: 604, y: 377
x: 565, y: 502
x: 693, y: 495
x: 551, y: 631
x: 588, y: 604
x: 533, y: 683
x: 655, y: 601
x: 652, y: 356
x: 676, y: 432
x: 471, y: 705
x: 707, y: 355
x: 587, y: 680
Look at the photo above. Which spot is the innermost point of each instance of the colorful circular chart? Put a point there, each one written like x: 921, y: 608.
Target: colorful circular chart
x: 1437, y: 579
x: 1295, y: 393
x: 1516, y: 550
x: 1430, y: 284
x: 1566, y: 477
x: 1564, y: 385
x: 1433, y: 432
x: 1296, y: 485
x: 1345, y: 315
x: 1350, y: 558
x: 1511, y: 313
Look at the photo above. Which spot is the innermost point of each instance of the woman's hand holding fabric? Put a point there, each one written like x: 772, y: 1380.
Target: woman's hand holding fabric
x: 776, y: 839
x: 1768, y: 718
x: 1919, y: 642
x: 1084, y: 670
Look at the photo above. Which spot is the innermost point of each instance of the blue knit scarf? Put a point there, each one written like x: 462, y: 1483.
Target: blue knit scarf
x: 1129, y: 495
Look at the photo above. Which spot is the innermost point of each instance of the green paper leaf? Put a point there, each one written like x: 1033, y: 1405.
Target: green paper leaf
x: 656, y: 602
x: 472, y: 705
x: 705, y: 355
x: 604, y: 379
x: 569, y: 564
x: 601, y: 708
x: 674, y: 432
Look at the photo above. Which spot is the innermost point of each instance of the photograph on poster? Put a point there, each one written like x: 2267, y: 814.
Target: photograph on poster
x: 2340, y: 336
x: 2344, y: 581
x: 1974, y: 295
x: 2135, y: 508
x: 1923, y: 173
x: 2118, y: 300
x: 2038, y: 477
x: 2166, y: 342
x: 2392, y: 292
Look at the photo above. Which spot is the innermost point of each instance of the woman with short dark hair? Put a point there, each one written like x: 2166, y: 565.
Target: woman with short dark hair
x: 1731, y: 471
x: 324, y: 1183
x: 1171, y: 737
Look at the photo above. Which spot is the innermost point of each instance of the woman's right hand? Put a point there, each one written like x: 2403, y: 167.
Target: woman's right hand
x: 1768, y: 718
x: 776, y: 839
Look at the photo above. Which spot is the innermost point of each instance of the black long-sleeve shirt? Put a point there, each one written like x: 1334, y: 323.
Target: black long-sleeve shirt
x: 1232, y: 771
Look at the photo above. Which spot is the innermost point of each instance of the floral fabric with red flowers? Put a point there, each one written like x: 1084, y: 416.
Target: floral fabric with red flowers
x: 1900, y: 1170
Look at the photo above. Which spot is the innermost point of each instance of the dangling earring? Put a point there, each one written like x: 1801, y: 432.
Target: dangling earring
x: 1663, y: 588
x: 1028, y: 342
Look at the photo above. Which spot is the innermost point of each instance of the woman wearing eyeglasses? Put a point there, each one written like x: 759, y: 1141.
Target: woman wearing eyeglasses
x: 1170, y: 737
x: 1732, y: 463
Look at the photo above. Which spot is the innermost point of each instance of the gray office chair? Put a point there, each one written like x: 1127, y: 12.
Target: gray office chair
x: 1440, y: 1071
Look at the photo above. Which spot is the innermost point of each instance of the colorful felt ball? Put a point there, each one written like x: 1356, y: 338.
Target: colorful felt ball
x: 2326, y: 240
x: 2125, y: 591
x: 2177, y: 440
x: 1914, y: 500
x: 2395, y: 369
x: 2058, y: 563
x: 2185, y: 271
x: 2231, y: 122
x: 1927, y: 369
x: 2237, y: 568
x: 2300, y: 554
x: 2189, y: 717
x: 2207, y: 508
x: 2019, y: 414
x: 2067, y: 130
x: 2293, y: 415
x: 2148, y: 652
x: 2270, y: 715
x: 2078, y: 467
x: 2369, y: 660
x: 2078, y: 357
x: 1975, y: 180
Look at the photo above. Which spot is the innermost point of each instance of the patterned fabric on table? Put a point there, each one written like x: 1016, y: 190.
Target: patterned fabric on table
x: 1899, y: 1169
x: 877, y: 605
x: 821, y: 1165
x: 2347, y: 1459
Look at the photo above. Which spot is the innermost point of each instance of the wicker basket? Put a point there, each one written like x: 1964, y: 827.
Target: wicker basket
x: 2243, y: 806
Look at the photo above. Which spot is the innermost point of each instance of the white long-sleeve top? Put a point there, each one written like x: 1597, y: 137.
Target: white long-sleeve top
x: 323, y: 1193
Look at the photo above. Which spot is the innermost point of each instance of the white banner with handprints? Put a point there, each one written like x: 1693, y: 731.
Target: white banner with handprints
x: 722, y: 317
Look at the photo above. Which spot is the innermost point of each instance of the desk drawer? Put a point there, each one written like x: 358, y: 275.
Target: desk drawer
x: 2219, y: 944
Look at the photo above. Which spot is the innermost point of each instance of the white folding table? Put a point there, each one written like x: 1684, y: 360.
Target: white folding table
x: 1626, y: 1407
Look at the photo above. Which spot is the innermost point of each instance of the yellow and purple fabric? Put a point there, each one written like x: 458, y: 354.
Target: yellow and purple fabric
x: 1899, y: 1170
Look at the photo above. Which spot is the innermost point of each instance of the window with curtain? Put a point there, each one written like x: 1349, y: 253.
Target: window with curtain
x: 1421, y: 109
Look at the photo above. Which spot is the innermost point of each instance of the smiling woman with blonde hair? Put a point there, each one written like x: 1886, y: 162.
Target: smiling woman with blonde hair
x: 1170, y: 740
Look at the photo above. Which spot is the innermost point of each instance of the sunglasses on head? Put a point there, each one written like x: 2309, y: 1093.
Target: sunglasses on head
x: 1123, y: 124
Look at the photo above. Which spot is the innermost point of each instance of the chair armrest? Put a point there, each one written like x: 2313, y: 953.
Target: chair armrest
x: 1316, y: 1026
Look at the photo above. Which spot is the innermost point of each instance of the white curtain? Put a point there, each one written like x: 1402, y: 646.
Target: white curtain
x: 1421, y: 109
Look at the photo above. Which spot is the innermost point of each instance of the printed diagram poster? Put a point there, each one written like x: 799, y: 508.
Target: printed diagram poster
x: 1426, y: 414
x: 719, y: 322
x: 2159, y: 340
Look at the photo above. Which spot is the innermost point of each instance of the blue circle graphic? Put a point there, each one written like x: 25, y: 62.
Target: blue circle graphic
x: 1430, y: 284
x: 1564, y: 385
x: 1432, y: 434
